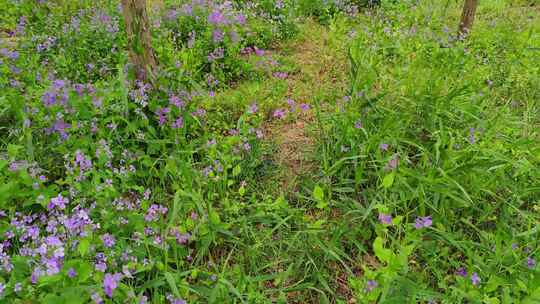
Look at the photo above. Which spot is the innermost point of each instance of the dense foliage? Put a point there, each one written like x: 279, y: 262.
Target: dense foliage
x: 422, y: 186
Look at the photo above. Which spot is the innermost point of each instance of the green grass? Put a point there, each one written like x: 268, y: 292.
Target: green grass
x: 404, y: 122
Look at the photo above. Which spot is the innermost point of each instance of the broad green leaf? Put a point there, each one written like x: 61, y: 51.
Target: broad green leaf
x: 318, y: 193
x: 83, y: 247
x: 388, y: 180
x: 236, y: 170
x: 383, y: 254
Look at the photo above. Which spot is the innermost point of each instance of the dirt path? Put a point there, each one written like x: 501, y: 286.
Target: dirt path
x: 322, y: 66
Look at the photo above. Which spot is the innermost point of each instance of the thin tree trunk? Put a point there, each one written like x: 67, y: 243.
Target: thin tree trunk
x: 139, y: 38
x: 467, y: 17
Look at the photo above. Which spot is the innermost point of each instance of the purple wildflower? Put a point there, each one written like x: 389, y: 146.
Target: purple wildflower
x: 472, y: 138
x: 71, y: 273
x: 96, y: 298
x: 162, y: 115
x: 371, y: 285
x: 253, y: 108
x: 108, y: 240
x: 383, y: 147
x: 217, y: 36
x: 241, y: 19
x: 385, y: 219
x: 259, y: 52
x: 358, y: 124
x: 280, y: 75
x: 279, y: 113
x: 178, y: 123
x: 461, y: 272
x: 304, y: 107
x: 110, y: 283
x: 530, y: 263
x: 423, y: 222
x: 216, y: 18
x: 475, y: 279
x: 18, y: 287
x: 392, y: 163
x: 58, y: 201
x: 176, y: 101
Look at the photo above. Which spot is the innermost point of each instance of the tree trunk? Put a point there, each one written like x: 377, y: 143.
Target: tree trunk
x: 467, y: 18
x: 139, y: 38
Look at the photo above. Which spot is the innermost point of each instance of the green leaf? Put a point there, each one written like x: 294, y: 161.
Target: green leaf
x: 172, y: 284
x: 318, y: 193
x: 49, y: 280
x: 83, y: 247
x: 388, y: 180
x: 236, y: 170
x: 214, y: 217
x: 534, y: 298
x: 493, y: 283
x: 383, y: 254
x: 242, y: 191
x: 491, y: 300
x: 52, y: 299
x: 321, y: 204
x: 13, y: 150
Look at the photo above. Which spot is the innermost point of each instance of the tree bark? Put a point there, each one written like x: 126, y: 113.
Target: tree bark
x: 467, y: 18
x: 139, y: 38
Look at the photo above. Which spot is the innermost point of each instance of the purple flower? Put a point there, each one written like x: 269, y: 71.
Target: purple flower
x: 383, y: 147
x: 110, y: 283
x: 259, y: 52
x: 241, y: 19
x: 280, y: 75
x: 472, y: 138
x: 392, y: 163
x: 530, y: 263
x: 279, y: 113
x: 58, y: 201
x: 217, y: 36
x: 2, y: 288
x: 101, y: 266
x: 216, y: 18
x: 108, y: 240
x: 358, y: 124
x: 304, y: 107
x: 178, y: 123
x: 96, y: 298
x: 162, y: 115
x: 423, y: 222
x: 176, y: 101
x: 60, y: 126
x: 18, y: 287
x: 461, y: 272
x: 71, y: 273
x: 182, y: 238
x: 371, y: 284
x: 385, y: 219
x: 253, y: 108
x: 173, y: 300
x: 53, y: 241
x: 291, y: 103
x: 514, y: 246
x: 475, y: 279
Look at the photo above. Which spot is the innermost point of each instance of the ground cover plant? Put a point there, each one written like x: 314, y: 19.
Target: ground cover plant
x: 279, y: 152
